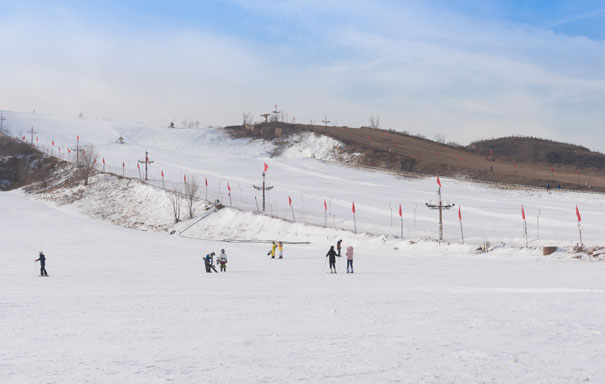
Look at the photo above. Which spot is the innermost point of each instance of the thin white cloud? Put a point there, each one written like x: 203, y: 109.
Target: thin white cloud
x: 571, y: 19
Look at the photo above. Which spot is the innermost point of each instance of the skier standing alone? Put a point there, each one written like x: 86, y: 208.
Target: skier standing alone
x: 42, y: 259
x: 280, y: 246
x: 222, y: 261
x: 332, y: 259
x: 349, y: 258
x: 338, y: 246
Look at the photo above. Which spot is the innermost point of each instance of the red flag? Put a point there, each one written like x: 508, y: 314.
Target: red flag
x: 353, y: 207
x: 578, y: 214
x: 78, y: 138
x: 289, y: 201
x: 522, y: 212
x: 400, y: 211
x: 162, y: 173
x: 138, y: 166
x: 59, y: 148
x: 23, y: 138
x: 185, y: 178
x: 53, y: 142
x: 228, y: 187
x: 68, y: 150
x: 369, y: 138
x: 438, y: 181
x: 36, y: 139
x: 206, y: 181
x: 459, y: 214
x: 103, y: 161
x: 325, y: 205
x: 266, y: 167
x: 123, y: 165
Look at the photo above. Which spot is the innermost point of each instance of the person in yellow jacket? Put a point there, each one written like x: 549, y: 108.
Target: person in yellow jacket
x: 281, y: 250
x: 272, y: 251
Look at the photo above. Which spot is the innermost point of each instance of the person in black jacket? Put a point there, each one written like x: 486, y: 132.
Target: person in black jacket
x: 332, y: 259
x: 42, y: 260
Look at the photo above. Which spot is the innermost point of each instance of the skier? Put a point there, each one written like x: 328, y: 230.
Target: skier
x: 338, y: 246
x: 332, y: 259
x: 208, y: 262
x: 281, y: 250
x: 349, y: 258
x: 272, y: 251
x: 222, y: 261
x: 42, y: 259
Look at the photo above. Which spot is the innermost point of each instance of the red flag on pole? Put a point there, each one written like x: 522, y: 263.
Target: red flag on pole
x: 438, y: 181
x: 578, y: 214
x: 325, y: 205
x: 515, y: 165
x: 289, y: 201
x: 206, y: 181
x: 23, y: 138
x: 353, y: 207
x: 265, y: 168
x: 162, y: 173
x: 459, y: 214
x: 491, y: 151
x: 228, y: 187
x: 68, y: 150
x: 123, y: 164
x: 78, y: 138
x: 522, y: 212
x: 53, y: 142
x: 103, y: 161
x: 138, y: 166
x: 36, y: 139
x: 185, y: 178
x: 400, y: 211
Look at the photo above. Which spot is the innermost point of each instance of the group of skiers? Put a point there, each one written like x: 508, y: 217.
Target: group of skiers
x: 221, y: 262
x: 332, y: 255
x: 276, y: 247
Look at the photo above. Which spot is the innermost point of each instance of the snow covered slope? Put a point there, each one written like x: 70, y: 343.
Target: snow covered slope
x: 123, y: 305
x: 488, y: 213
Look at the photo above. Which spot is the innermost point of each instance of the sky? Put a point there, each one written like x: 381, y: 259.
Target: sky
x: 463, y: 69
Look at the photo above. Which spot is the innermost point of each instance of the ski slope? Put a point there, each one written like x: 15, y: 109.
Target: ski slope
x: 489, y: 214
x: 123, y: 305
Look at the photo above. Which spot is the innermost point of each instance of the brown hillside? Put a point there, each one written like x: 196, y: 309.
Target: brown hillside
x: 404, y: 152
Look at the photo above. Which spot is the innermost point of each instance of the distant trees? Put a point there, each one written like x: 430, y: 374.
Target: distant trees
x: 440, y: 138
x: 375, y: 122
x: 191, y: 189
x: 86, y: 162
x: 247, y: 118
x: 175, y: 197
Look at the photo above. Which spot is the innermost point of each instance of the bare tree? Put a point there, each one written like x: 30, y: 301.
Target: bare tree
x: 375, y: 122
x: 86, y: 162
x: 440, y: 138
x: 247, y: 118
x: 175, y: 198
x: 191, y: 189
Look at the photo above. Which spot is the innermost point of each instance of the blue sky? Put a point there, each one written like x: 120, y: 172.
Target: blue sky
x: 464, y: 69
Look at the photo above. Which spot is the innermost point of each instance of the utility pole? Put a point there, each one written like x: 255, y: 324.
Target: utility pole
x: 146, y: 162
x: 266, y: 116
x: 31, y: 132
x: 276, y: 113
x: 440, y: 206
x: 326, y: 121
x: 264, y: 188
x: 2, y: 119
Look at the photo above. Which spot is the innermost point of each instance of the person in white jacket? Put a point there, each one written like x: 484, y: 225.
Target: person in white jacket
x: 222, y: 261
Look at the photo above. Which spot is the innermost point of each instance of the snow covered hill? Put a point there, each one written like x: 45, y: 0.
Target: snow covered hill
x: 488, y: 214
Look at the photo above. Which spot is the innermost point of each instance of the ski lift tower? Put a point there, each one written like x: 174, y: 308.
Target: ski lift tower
x: 146, y: 162
x: 264, y: 188
x: 276, y: 113
x: 266, y: 116
x: 440, y: 206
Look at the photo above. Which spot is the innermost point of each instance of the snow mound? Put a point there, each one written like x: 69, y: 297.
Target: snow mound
x: 311, y: 145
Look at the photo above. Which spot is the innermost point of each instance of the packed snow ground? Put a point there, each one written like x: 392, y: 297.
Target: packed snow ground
x: 123, y: 305
x: 489, y: 214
